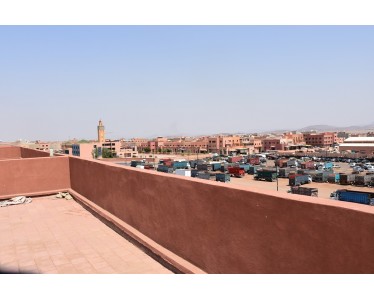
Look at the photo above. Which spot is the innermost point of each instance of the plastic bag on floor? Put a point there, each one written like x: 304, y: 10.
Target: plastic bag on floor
x: 15, y: 201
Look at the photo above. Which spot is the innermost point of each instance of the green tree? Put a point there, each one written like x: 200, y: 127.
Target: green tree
x: 108, y: 153
x: 147, y: 149
x: 105, y: 153
x: 83, y: 141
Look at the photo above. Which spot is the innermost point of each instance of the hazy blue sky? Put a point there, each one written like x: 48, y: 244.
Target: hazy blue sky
x: 56, y: 82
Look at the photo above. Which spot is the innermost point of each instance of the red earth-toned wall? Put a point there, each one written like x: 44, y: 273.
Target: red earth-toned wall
x: 13, y: 152
x: 222, y: 228
x: 29, y: 153
x: 33, y: 175
x: 8, y: 152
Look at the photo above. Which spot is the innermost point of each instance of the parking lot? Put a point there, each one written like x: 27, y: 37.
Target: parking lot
x: 324, y: 189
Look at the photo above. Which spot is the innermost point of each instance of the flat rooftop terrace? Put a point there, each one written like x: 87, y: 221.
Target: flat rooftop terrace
x: 188, y: 225
x: 59, y: 236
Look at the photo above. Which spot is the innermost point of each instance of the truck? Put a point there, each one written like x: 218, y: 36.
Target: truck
x: 194, y: 173
x: 165, y: 169
x: 236, y: 171
x: 245, y: 167
x: 193, y: 163
x: 312, y: 173
x: 253, y: 169
x: 265, y: 175
x: 223, y: 177
x: 321, y: 176
x: 281, y: 163
x: 346, y: 179
x: 166, y: 162
x: 253, y: 160
x: 135, y: 163
x: 313, y: 192
x: 363, y: 180
x: 298, y: 179
x: 183, y: 172
x: 292, y: 163
x: 353, y: 196
x: 284, y: 172
x: 328, y: 165
x: 149, y: 166
x: 308, y: 165
x: 203, y: 175
x: 203, y: 167
x: 333, y: 178
x: 234, y: 159
x: 225, y: 166
x: 215, y: 166
x: 181, y: 164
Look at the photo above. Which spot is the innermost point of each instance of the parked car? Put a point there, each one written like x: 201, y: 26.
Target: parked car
x: 335, y: 166
x: 358, y: 169
x: 351, y: 165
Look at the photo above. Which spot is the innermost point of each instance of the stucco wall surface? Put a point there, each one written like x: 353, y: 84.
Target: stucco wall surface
x: 224, y: 228
x: 29, y: 153
x: 25, y: 176
x: 8, y: 152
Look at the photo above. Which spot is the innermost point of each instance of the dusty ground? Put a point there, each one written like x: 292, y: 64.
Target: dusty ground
x: 324, y: 189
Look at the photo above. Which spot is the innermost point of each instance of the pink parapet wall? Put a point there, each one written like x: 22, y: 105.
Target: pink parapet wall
x: 30, y: 153
x: 222, y: 228
x: 9, y: 152
x: 33, y: 176
x: 13, y: 152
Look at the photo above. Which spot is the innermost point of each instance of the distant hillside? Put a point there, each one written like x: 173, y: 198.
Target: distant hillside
x: 336, y: 128
x: 319, y: 128
x: 323, y: 128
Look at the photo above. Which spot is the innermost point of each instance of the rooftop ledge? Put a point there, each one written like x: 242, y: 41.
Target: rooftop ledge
x: 196, y: 226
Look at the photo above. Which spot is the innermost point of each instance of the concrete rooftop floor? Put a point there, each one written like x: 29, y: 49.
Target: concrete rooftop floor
x: 55, y: 236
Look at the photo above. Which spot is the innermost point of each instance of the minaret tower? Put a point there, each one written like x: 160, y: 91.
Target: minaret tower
x: 101, y: 132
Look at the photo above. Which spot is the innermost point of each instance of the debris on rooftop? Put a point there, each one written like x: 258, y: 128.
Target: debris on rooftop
x: 15, y: 201
x: 66, y: 195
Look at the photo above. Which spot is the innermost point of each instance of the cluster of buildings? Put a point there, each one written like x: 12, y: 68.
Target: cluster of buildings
x: 221, y: 144
x: 250, y: 144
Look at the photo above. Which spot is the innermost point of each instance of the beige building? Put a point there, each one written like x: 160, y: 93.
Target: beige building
x: 224, y: 144
x: 361, y: 145
x: 39, y: 145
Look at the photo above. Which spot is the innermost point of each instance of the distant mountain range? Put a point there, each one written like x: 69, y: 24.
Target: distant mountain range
x: 324, y: 128
x: 318, y: 128
x: 336, y: 128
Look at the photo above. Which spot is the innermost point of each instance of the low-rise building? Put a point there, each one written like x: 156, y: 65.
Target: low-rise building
x: 361, y: 145
x: 273, y: 144
x: 324, y: 139
x: 295, y: 137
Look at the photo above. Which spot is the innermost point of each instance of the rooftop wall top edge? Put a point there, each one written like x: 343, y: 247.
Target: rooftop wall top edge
x: 258, y: 191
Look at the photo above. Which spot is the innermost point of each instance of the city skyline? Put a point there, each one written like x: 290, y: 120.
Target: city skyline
x: 147, y: 81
